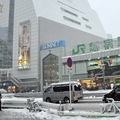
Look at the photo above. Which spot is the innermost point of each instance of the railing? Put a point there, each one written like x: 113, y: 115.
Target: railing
x: 20, y: 83
x: 15, y: 81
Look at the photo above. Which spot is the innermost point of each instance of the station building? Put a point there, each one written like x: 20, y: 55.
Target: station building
x: 45, y: 31
x: 97, y: 66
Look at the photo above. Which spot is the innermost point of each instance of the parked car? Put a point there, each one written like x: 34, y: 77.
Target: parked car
x: 60, y: 92
x: 115, y: 94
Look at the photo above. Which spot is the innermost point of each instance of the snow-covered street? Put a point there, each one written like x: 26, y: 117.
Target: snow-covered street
x: 86, y: 111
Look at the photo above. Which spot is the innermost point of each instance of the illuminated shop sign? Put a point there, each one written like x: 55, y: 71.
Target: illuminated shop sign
x: 96, y: 46
x: 24, y: 45
x: 6, y: 84
x: 97, y: 64
x: 53, y: 45
x: 1, y: 8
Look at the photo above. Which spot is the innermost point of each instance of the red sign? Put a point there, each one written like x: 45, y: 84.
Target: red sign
x: 69, y: 62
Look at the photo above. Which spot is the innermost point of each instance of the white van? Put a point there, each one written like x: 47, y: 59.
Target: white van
x: 60, y: 92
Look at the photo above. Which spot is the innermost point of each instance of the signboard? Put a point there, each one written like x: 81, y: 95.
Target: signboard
x: 69, y: 62
x: 96, y: 46
x: 53, y: 45
x: 6, y: 84
x: 98, y: 63
x: 24, y: 45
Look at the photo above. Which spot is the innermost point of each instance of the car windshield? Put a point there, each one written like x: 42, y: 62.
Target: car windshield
x: 117, y: 89
x: 77, y: 87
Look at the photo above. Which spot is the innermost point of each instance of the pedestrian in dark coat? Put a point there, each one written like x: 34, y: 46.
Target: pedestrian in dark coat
x: 0, y: 101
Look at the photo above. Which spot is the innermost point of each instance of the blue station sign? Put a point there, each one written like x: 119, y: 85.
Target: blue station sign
x: 51, y: 45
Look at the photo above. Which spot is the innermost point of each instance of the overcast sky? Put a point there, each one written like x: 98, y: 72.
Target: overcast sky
x: 109, y: 14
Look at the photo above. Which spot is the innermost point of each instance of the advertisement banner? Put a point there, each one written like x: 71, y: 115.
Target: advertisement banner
x: 24, y: 46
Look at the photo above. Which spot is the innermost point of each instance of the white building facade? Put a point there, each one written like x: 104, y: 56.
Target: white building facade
x: 47, y: 23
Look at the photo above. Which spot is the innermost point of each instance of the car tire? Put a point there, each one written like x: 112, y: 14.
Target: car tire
x: 48, y: 99
x: 66, y: 100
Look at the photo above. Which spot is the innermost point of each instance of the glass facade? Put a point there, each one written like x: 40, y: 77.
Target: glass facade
x: 5, y: 55
x: 6, y: 32
x: 50, y: 69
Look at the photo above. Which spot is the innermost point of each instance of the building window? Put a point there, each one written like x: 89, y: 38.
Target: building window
x: 69, y: 12
x: 85, y: 19
x: 89, y: 27
x: 70, y: 7
x: 71, y: 20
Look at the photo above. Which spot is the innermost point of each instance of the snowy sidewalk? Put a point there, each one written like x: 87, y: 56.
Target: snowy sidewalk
x: 10, y: 114
x: 24, y: 114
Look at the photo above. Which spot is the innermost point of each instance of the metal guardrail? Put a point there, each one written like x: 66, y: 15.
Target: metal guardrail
x: 14, y: 104
x: 29, y: 94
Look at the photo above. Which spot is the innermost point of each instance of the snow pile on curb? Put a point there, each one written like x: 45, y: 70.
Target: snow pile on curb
x: 48, y: 115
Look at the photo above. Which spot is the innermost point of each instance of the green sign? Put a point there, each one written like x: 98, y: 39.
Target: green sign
x: 80, y: 49
x: 96, y: 46
x: 117, y: 81
x: 108, y: 44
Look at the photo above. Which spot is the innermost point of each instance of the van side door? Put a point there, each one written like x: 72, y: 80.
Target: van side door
x: 57, y: 93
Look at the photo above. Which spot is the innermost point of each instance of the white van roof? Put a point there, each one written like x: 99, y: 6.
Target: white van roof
x: 72, y: 82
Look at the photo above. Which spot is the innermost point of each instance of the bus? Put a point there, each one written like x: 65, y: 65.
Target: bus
x: 60, y: 92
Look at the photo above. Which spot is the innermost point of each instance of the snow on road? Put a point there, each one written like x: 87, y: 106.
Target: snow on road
x: 97, y: 91
x: 24, y: 114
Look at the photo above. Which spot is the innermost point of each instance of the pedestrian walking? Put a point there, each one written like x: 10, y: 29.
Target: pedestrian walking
x: 0, y: 101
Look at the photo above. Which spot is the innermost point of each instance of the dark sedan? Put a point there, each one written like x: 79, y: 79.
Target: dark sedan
x: 115, y: 94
